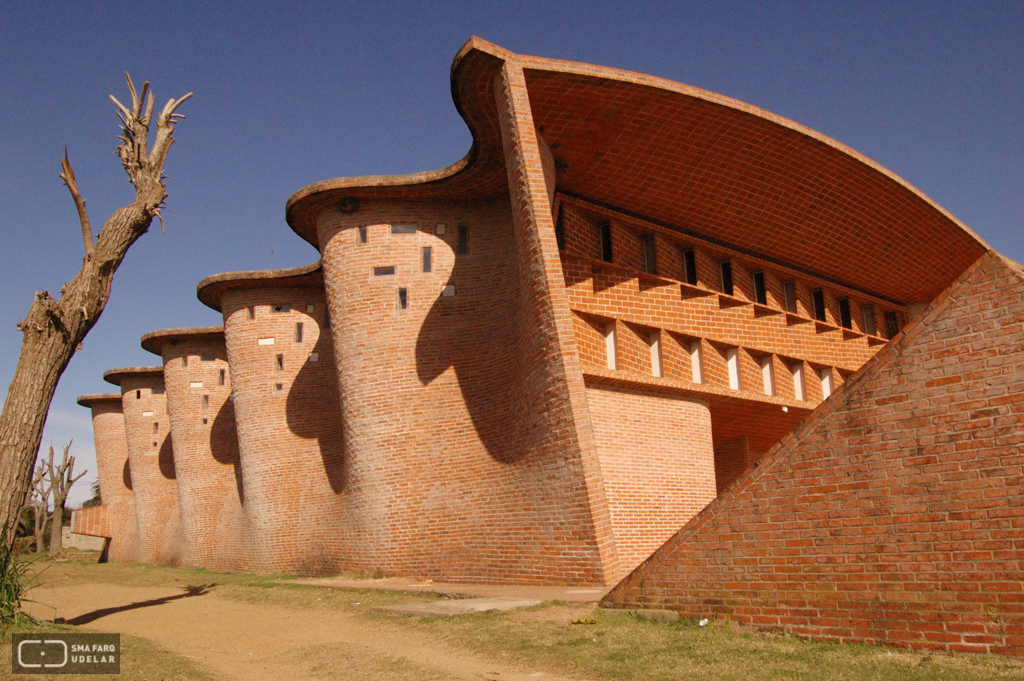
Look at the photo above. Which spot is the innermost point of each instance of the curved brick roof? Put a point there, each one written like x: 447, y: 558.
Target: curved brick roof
x: 154, y: 340
x: 88, y: 400
x: 697, y: 162
x: 114, y: 376
x: 210, y: 290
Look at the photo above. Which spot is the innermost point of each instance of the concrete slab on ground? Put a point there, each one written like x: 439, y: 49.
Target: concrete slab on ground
x: 569, y: 594
x: 461, y: 606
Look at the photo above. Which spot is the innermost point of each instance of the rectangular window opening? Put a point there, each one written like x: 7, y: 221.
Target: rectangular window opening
x: 844, y: 314
x: 383, y: 271
x: 892, y: 324
x: 440, y: 228
x: 184, y: 361
x: 690, y: 266
x: 278, y: 309
x: 768, y: 375
x: 221, y: 377
x: 206, y: 402
x: 278, y: 362
x: 760, y: 292
x: 251, y: 311
x: 206, y: 421
x: 157, y: 391
x: 298, y: 332
x: 463, y: 247
x: 362, y: 234
x: 789, y: 289
x: 279, y: 386
x: 156, y: 428
x: 207, y: 358
x: 428, y: 259
x: 818, y: 298
x: 403, y: 229
x: 560, y: 229
x: 654, y: 340
x: 826, y: 381
x: 696, y: 362
x: 650, y: 254
x: 138, y: 394
x: 732, y: 359
x: 611, y: 357
x: 798, y: 381
x: 403, y: 299
x: 868, y: 313
x: 726, y: 269
x: 604, y: 240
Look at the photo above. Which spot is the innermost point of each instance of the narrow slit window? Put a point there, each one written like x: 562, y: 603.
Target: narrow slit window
x: 604, y: 239
x: 892, y: 324
x: 278, y: 362
x: 654, y: 340
x: 184, y: 360
x: 696, y: 362
x: 206, y: 402
x: 609, y: 346
x: 252, y: 311
x: 789, y: 289
x: 463, y: 247
x: 818, y: 297
x: 403, y: 299
x: 138, y: 394
x: 868, y: 313
x: 298, y: 332
x: 768, y: 375
x: 156, y: 428
x: 362, y: 234
x: 221, y: 377
x: 650, y: 254
x: 826, y: 381
x: 844, y: 314
x: 428, y: 259
x: 798, y: 381
x: 383, y: 271
x: 560, y: 229
x: 760, y: 292
x: 690, y: 266
x: 726, y: 269
x: 403, y: 229
x: 732, y: 360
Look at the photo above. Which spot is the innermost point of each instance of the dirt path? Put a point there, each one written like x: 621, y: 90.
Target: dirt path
x: 240, y: 640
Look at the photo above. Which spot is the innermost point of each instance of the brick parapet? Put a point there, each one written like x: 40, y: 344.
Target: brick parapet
x: 207, y: 466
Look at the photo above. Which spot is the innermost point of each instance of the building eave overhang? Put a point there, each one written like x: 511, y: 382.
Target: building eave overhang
x: 89, y: 400
x: 154, y: 341
x: 702, y: 162
x: 115, y: 376
x: 210, y: 290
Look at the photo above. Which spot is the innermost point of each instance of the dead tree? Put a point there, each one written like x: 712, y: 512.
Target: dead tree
x: 54, y: 329
x: 60, y: 481
x: 39, y: 498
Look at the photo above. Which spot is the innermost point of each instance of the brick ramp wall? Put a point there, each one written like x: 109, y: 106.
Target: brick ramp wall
x: 894, y: 513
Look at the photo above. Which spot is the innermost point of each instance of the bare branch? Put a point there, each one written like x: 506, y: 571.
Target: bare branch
x: 83, y: 217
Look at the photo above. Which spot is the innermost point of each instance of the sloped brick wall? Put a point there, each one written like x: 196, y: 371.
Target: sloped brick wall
x: 894, y: 513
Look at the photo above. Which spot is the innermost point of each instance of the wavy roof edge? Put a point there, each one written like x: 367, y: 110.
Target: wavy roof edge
x: 154, y: 340
x: 210, y: 289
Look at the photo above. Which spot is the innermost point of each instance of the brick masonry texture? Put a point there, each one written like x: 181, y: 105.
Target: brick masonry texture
x: 893, y: 514
x: 532, y: 366
x: 115, y: 477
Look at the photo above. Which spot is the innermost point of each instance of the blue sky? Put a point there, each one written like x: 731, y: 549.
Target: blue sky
x: 289, y: 94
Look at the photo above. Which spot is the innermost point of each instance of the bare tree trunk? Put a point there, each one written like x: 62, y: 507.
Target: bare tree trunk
x: 54, y: 329
x: 40, y: 496
x: 60, y: 484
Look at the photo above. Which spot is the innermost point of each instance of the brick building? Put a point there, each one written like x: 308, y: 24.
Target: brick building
x: 539, y: 363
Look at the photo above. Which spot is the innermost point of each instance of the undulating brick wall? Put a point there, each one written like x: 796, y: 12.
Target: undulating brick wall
x: 114, y: 473
x: 207, y: 464
x: 151, y: 456
x: 288, y: 424
x: 892, y: 514
x: 93, y: 521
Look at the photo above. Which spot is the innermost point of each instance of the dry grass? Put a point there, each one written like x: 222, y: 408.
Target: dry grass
x: 617, y: 646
